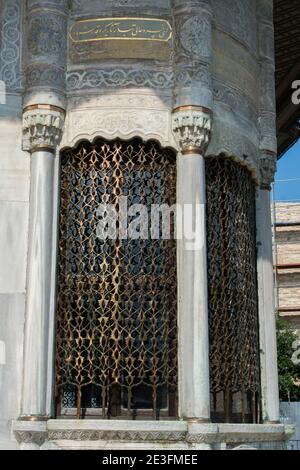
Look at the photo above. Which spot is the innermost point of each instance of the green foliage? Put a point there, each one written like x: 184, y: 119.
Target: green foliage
x: 288, y: 372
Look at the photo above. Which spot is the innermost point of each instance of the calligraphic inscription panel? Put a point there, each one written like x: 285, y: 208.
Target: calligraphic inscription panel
x: 120, y: 38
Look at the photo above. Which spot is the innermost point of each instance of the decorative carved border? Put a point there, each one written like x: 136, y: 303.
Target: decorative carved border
x: 235, y: 100
x: 121, y: 123
x: 135, y: 436
x: 124, y: 77
x: 28, y: 437
x: 10, y: 43
x: 39, y: 432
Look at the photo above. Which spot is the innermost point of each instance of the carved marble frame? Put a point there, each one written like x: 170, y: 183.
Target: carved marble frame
x: 72, y: 143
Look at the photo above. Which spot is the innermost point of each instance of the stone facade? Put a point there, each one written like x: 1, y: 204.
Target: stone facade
x: 212, y: 94
x: 287, y: 252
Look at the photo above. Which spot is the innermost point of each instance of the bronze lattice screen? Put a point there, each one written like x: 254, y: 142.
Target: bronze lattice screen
x: 232, y: 292
x: 116, y: 341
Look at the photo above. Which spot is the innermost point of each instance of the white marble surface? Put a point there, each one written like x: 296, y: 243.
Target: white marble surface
x: 12, y: 307
x: 267, y: 319
x: 120, y: 114
x: 38, y: 284
x: 13, y: 243
x: 14, y: 194
x: 14, y: 163
x: 194, y: 398
x: 139, y: 110
x: 114, y: 445
x: 113, y: 425
x: 114, y: 434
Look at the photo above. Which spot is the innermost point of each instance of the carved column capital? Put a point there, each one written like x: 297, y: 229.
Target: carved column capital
x: 42, y: 127
x: 191, y: 126
x: 268, y: 166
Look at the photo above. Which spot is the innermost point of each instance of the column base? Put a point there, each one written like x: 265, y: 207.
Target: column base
x: 33, y: 418
x: 197, y: 420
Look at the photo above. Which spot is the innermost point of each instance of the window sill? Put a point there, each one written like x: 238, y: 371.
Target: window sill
x: 113, y: 434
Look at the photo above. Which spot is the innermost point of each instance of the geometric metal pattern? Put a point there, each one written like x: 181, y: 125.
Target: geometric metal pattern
x: 116, y: 336
x: 232, y: 290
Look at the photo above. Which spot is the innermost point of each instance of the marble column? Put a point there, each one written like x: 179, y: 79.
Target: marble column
x: 42, y: 126
x: 191, y: 126
x: 267, y: 315
x: 43, y: 118
x: 267, y: 162
x: 192, y: 120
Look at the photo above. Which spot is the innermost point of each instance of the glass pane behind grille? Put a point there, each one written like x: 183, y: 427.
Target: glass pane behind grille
x: 117, y: 299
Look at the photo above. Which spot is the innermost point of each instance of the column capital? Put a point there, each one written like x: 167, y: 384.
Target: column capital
x: 191, y: 126
x: 42, y: 127
x: 268, y: 165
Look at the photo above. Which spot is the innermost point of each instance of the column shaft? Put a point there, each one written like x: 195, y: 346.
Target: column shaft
x: 38, y: 282
x: 193, y: 308
x: 267, y: 318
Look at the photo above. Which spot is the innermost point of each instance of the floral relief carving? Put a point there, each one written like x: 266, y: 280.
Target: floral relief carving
x: 192, y: 129
x: 122, y: 77
x: 87, y: 435
x: 42, y: 128
x: 96, y: 78
x: 45, y: 76
x: 46, y: 36
x: 233, y: 98
x: 30, y: 437
x: 129, y: 122
x: 195, y: 36
x: 268, y: 167
x: 10, y: 60
x: 267, y: 128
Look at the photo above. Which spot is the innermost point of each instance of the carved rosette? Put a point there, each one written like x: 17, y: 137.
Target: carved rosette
x: 192, y: 129
x: 42, y: 128
x: 268, y: 166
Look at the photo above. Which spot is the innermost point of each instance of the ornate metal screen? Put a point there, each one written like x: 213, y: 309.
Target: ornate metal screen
x: 117, y: 299
x: 233, y: 301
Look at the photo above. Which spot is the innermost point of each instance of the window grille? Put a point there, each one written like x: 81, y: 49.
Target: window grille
x: 232, y: 292
x: 116, y: 342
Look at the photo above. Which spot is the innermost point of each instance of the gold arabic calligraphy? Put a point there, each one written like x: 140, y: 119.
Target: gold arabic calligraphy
x: 121, y: 28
